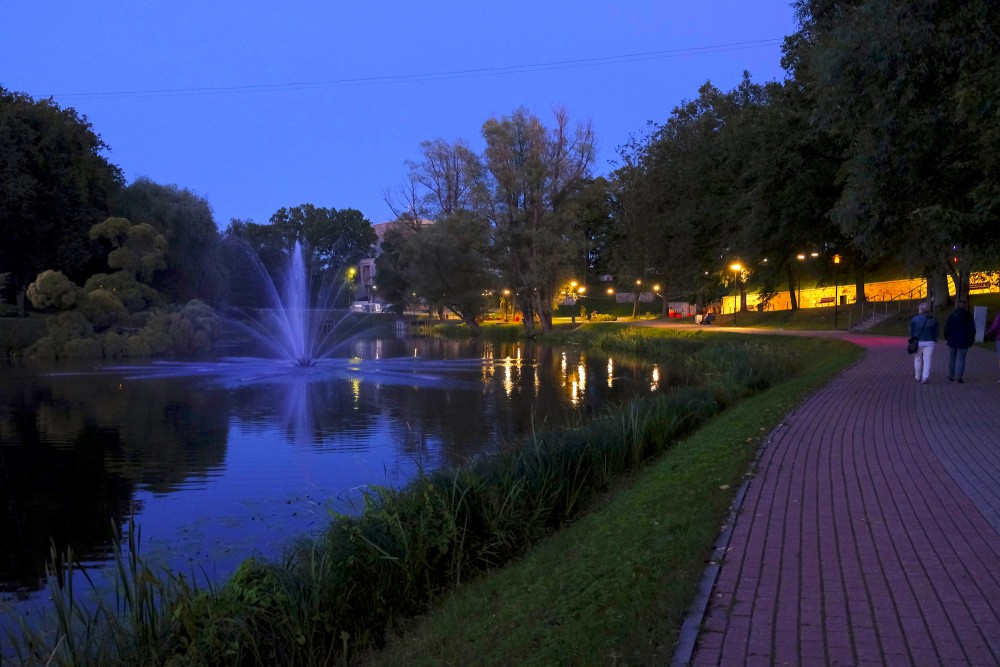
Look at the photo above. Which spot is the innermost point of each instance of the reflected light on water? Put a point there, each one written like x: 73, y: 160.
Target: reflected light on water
x: 356, y: 391
x: 655, y: 384
x: 508, y: 376
x: 611, y: 372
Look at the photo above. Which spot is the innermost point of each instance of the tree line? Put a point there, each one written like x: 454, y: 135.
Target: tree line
x: 879, y: 145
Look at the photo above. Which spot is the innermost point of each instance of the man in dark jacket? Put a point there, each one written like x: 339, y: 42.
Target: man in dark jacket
x: 960, y: 334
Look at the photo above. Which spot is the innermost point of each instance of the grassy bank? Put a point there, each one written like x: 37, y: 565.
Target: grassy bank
x: 336, y: 597
x: 612, y: 588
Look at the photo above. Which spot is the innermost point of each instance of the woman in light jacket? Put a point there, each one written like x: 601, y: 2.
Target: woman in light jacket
x: 924, y: 327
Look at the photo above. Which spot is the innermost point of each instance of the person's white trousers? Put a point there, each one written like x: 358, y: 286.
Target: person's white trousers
x: 922, y: 360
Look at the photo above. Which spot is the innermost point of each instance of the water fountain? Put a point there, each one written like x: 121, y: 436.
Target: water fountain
x: 294, y: 328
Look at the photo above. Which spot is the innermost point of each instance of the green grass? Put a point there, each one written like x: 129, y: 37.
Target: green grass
x: 613, y: 587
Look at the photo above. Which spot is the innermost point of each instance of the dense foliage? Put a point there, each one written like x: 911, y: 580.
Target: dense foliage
x: 119, y: 314
x: 55, y: 184
x: 880, y: 147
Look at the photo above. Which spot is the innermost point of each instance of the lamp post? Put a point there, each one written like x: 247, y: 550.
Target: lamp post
x: 351, y: 272
x: 736, y: 268
x: 836, y: 288
x: 572, y: 308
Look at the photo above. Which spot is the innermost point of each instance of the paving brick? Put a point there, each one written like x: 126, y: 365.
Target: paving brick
x: 870, y: 533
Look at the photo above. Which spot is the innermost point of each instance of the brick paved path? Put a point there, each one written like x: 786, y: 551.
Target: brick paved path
x: 870, y: 533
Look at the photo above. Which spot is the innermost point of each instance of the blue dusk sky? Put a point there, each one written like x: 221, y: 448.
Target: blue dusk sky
x: 261, y: 105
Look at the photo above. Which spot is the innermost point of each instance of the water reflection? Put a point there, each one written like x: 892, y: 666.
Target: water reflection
x: 225, y: 459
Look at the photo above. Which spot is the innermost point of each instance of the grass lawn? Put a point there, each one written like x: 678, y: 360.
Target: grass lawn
x: 613, y: 587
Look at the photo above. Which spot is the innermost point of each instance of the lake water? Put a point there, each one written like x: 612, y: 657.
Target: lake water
x: 218, y: 461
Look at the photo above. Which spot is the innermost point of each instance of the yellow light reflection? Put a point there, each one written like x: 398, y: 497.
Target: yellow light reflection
x: 356, y: 391
x: 508, y: 376
x: 611, y: 372
x: 655, y: 384
x: 581, y: 377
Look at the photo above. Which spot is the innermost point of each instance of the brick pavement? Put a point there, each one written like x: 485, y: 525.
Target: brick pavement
x: 870, y: 531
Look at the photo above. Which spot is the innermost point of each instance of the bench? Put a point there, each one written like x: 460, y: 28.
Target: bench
x: 978, y: 286
x: 827, y: 299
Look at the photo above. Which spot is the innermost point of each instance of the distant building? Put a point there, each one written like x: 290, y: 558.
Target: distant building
x: 367, y: 287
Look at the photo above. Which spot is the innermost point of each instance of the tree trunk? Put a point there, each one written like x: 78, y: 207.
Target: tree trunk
x: 743, y: 296
x: 529, y: 318
x: 859, y: 286
x: 937, y: 282
x: 793, y: 298
x: 474, y: 328
x: 635, y: 306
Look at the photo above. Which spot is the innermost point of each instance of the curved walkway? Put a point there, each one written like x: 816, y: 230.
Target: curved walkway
x: 869, y: 533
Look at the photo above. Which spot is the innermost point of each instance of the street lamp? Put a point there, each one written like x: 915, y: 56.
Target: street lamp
x: 836, y: 288
x: 736, y: 267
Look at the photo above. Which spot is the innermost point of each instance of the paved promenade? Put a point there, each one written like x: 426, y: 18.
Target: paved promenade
x: 870, y: 531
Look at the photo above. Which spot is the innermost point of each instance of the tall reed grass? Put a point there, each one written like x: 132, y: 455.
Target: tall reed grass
x: 407, y: 547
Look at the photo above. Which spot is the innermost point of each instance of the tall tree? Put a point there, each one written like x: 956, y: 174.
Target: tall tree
x: 898, y: 82
x: 185, y: 220
x: 530, y: 173
x: 448, y: 264
x: 335, y: 237
x: 55, y: 184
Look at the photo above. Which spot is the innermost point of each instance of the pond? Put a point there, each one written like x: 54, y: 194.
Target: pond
x: 217, y: 461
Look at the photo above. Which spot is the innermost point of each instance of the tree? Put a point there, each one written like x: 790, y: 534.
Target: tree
x: 138, y: 249
x: 682, y: 181
x: 336, y: 238
x: 789, y: 181
x: 185, y: 220
x: 55, y: 183
x: 392, y: 266
x: 448, y: 264
x: 900, y: 84
x: 530, y: 173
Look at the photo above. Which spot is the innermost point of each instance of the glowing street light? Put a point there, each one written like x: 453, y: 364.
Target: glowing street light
x: 836, y: 288
x: 736, y: 268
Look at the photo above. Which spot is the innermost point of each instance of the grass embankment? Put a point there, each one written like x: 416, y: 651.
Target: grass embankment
x: 613, y: 587
x: 610, y: 582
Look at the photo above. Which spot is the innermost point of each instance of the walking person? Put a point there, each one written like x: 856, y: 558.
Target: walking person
x: 924, y: 328
x: 960, y: 334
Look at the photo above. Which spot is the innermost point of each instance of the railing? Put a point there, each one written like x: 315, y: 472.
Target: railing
x: 890, y: 304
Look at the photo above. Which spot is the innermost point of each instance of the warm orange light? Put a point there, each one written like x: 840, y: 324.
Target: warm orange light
x: 582, y: 289
x: 800, y: 256
x: 611, y: 290
x: 736, y: 267
x: 836, y: 259
x: 656, y: 288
